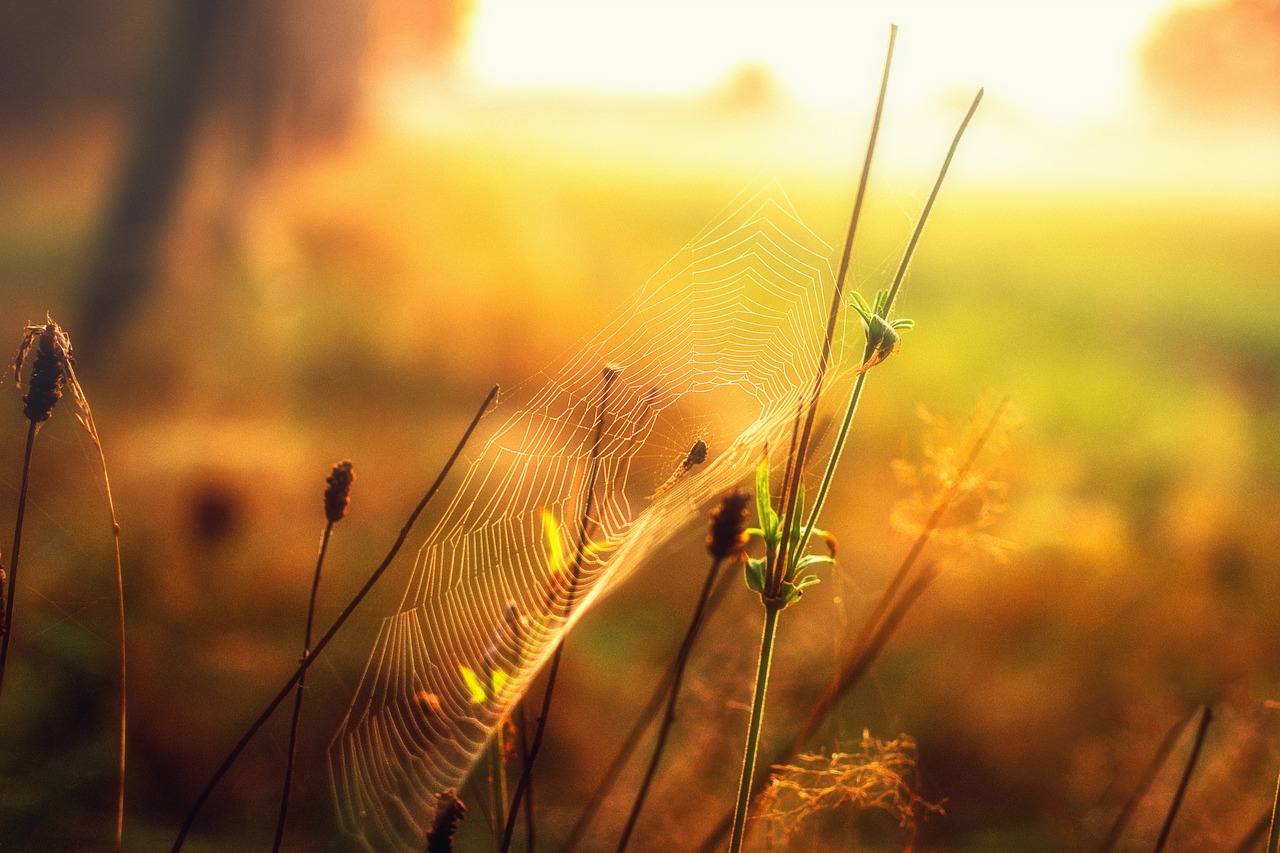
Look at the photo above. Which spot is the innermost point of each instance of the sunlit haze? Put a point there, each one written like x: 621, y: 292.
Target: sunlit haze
x: 1057, y: 61
x: 1064, y: 101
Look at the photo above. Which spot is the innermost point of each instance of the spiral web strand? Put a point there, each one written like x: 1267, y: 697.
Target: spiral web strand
x: 725, y: 337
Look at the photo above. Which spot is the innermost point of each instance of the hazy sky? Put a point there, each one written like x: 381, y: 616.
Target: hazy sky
x: 1056, y: 60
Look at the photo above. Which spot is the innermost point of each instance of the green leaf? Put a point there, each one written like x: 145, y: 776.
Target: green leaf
x: 763, y: 502
x: 755, y: 574
x: 903, y: 323
x: 793, y: 591
x: 499, y: 680
x: 595, y: 549
x: 555, y: 548
x: 765, y: 513
x: 474, y: 687
x: 882, y: 299
x: 811, y: 560
x: 797, y: 515
x: 860, y: 305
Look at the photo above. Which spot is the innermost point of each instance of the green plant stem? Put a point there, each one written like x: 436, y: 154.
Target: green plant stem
x: 673, y: 695
x: 884, y: 618
x: 334, y: 628
x: 610, y: 374
x: 645, y: 719
x: 796, y: 465
x: 297, y: 696
x: 1205, y: 717
x: 498, y: 781
x: 867, y: 650
x: 771, y: 612
x: 855, y: 666
x: 829, y: 474
x: 928, y: 204
x: 12, y: 590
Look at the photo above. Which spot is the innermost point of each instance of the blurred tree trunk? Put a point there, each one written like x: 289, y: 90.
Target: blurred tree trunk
x: 263, y: 68
x: 123, y: 264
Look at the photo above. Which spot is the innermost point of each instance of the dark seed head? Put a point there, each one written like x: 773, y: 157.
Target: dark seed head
x: 449, y: 813
x: 337, y: 492
x: 48, y: 374
x: 726, y: 537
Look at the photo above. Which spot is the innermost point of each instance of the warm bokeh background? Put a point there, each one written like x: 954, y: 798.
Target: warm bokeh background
x: 286, y: 232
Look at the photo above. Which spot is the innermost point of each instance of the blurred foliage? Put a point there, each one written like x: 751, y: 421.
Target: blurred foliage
x: 1218, y: 62
x: 356, y: 304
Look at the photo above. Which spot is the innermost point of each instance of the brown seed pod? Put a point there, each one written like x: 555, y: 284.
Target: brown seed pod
x: 726, y: 537
x: 50, y: 368
x: 337, y: 492
x: 449, y: 813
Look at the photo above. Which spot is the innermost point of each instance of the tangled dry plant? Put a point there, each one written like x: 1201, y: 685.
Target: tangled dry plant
x: 874, y: 775
x: 943, y: 466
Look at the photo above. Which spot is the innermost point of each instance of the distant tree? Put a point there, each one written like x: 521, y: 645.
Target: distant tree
x: 1217, y: 62
x: 434, y: 31
x: 751, y: 88
x: 260, y: 78
x: 267, y: 68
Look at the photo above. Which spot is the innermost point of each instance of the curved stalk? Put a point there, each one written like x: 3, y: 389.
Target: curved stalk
x: 1273, y: 835
x: 1206, y: 716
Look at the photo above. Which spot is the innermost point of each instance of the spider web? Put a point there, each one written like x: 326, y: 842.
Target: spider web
x: 725, y: 337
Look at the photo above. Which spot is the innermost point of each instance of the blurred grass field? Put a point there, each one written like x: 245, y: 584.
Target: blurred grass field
x: 359, y: 304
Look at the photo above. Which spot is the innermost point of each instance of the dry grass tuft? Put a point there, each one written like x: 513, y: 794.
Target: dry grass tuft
x: 875, y: 775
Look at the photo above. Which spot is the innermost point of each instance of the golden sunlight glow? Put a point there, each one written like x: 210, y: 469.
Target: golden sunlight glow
x: 1050, y: 60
